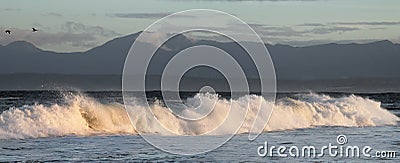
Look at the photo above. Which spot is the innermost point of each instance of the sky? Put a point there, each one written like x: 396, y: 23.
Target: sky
x: 79, y: 25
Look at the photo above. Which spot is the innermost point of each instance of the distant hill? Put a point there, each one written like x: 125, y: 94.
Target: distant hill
x: 338, y: 62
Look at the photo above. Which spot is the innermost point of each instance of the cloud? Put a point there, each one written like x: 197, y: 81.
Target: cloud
x: 384, y: 23
x: 327, y: 30
x: 377, y: 28
x: 305, y: 43
x: 141, y: 15
x: 41, y: 26
x: 291, y: 32
x: 396, y: 40
x: 145, y: 15
x: 276, y: 31
x: 74, y: 27
x: 11, y: 9
x: 347, y: 26
x: 344, y: 26
x: 311, y: 25
x: 73, y: 39
x: 254, y: 0
x: 45, y: 38
x: 53, y: 14
x: 73, y: 34
x: 281, y: 31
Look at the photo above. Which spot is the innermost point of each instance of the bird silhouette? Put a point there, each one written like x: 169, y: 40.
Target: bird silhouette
x: 8, y: 31
x: 34, y: 30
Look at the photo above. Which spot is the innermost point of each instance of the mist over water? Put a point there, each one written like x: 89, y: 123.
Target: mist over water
x: 81, y: 115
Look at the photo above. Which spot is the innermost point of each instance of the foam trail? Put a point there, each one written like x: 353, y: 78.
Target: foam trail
x: 82, y: 115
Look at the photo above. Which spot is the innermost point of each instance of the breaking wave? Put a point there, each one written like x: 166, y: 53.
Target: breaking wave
x: 84, y: 116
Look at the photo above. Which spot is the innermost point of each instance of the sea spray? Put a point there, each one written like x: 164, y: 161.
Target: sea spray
x: 79, y: 115
x: 85, y: 116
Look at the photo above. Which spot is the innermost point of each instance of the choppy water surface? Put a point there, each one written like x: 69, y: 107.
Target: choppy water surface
x: 65, y: 126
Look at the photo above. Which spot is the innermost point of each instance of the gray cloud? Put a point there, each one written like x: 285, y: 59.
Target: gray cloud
x: 305, y: 43
x: 53, y: 14
x: 254, y: 0
x: 73, y: 39
x: 74, y: 27
x: 11, y: 9
x: 41, y: 26
x: 281, y: 31
x: 327, y: 30
x: 45, y: 38
x: 140, y: 15
x: 145, y: 15
x: 311, y: 25
x: 377, y: 28
x: 300, y: 36
x: 385, y: 23
x: 72, y: 34
x: 273, y: 31
x: 344, y: 26
x: 396, y: 40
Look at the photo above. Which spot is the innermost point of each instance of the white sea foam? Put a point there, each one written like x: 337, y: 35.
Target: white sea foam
x: 82, y: 115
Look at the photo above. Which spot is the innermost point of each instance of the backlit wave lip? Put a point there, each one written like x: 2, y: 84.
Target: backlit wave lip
x: 85, y: 116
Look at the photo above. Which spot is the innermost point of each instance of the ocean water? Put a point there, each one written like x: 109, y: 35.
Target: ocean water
x: 93, y: 126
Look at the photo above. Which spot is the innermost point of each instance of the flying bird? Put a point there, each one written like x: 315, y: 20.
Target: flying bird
x: 8, y: 31
x: 34, y: 30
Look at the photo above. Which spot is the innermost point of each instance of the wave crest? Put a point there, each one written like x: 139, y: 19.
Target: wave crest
x: 82, y: 115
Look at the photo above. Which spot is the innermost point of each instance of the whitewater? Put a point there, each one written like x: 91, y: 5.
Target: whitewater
x: 81, y: 115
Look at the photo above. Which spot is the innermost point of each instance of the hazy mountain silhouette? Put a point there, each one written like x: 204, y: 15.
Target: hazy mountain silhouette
x: 377, y: 60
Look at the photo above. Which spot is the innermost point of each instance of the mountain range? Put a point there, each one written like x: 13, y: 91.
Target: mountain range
x: 377, y: 62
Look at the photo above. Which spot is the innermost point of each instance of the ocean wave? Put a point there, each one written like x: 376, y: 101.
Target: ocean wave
x: 84, y: 116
